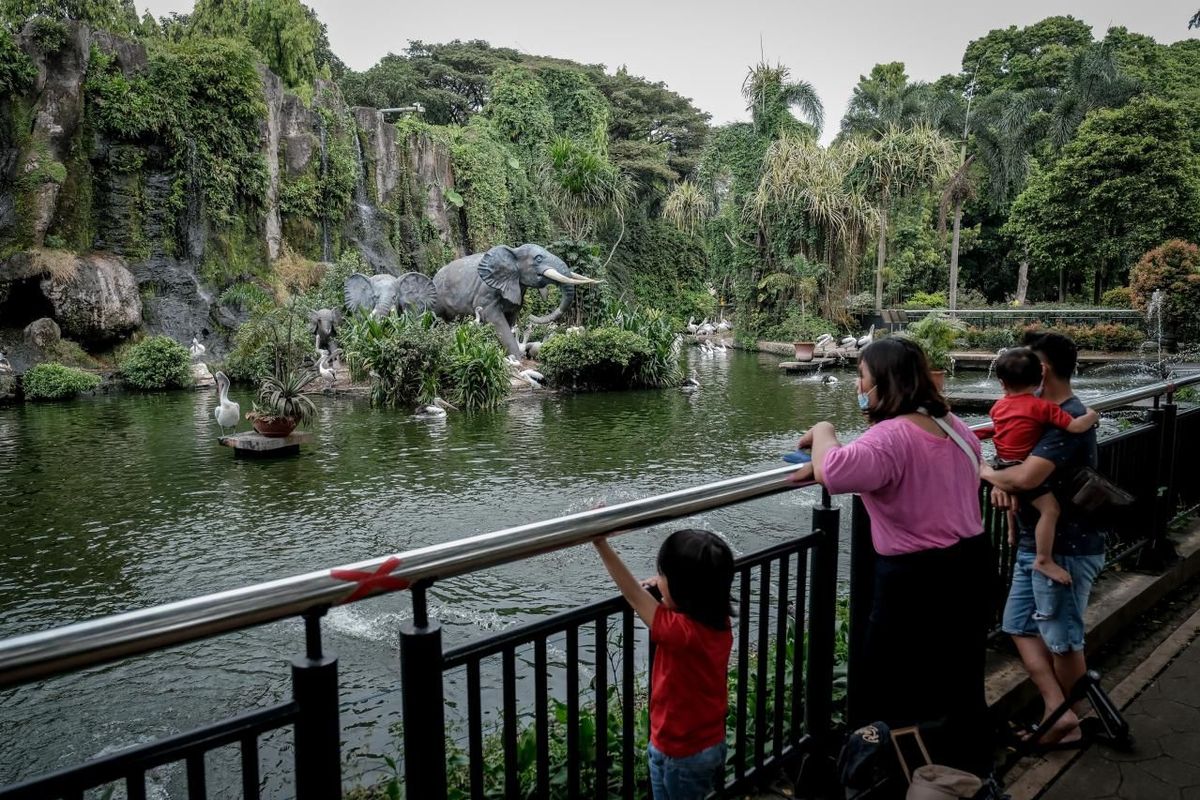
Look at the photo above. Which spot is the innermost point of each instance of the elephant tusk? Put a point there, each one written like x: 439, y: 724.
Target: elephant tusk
x: 558, y: 277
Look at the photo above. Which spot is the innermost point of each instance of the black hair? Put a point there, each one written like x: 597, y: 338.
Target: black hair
x: 1058, y: 351
x: 902, y: 380
x: 1019, y: 368
x: 698, y: 566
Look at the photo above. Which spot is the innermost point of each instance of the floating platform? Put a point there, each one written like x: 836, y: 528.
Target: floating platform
x: 251, y: 444
x: 807, y: 366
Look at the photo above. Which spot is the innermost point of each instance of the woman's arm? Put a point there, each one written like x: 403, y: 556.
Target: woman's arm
x: 821, y: 438
x: 642, y: 602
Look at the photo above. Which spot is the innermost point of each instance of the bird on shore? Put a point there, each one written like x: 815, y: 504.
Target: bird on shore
x: 866, y: 340
x: 434, y: 410
x: 691, y: 326
x: 325, y: 370
x: 5, y: 367
x: 532, y: 377
x: 197, y: 349
x: 227, y: 412
x: 723, y: 326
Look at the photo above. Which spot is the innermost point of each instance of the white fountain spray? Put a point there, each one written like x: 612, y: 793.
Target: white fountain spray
x: 1154, y: 319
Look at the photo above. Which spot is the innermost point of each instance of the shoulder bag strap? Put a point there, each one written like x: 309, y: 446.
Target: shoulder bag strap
x: 958, y: 440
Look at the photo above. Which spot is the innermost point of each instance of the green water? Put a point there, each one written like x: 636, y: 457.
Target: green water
x: 119, y: 502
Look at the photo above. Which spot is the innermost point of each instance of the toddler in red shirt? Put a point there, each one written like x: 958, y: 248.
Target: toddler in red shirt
x: 691, y: 630
x: 1019, y: 418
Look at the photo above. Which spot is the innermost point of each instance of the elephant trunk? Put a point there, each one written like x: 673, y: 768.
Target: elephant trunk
x: 568, y: 296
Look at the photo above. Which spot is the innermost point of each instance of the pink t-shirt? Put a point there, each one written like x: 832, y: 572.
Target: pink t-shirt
x: 920, y: 489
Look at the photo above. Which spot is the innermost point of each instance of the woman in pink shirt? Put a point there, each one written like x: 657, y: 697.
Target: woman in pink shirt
x: 917, y: 470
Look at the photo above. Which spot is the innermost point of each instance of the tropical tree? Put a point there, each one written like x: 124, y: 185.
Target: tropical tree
x: 687, y: 206
x: 958, y: 191
x: 1127, y: 182
x: 885, y: 97
x: 771, y: 96
x: 901, y: 161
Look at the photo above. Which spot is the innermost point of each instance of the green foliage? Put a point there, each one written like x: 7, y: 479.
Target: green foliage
x: 596, y: 359
x: 1128, y: 181
x: 50, y: 35
x: 936, y: 333
x: 284, y: 32
x: 659, y: 367
x: 884, y: 98
x: 1107, y: 337
x: 247, y: 296
x: 477, y: 372
x: 408, y: 354
x: 1174, y: 269
x: 158, y: 362
x: 118, y: 16
x: 1120, y: 297
x: 282, y: 396
x: 274, y: 341
x: 793, y: 327
x: 53, y: 381
x: 203, y: 99
x: 16, y: 70
x: 926, y: 300
x: 1037, y: 56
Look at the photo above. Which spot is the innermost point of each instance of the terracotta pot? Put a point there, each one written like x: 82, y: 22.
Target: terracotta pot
x: 804, y: 350
x: 275, y: 428
x: 939, y: 379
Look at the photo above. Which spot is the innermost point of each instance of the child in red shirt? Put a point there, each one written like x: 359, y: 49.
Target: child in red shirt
x: 1019, y: 418
x: 690, y: 627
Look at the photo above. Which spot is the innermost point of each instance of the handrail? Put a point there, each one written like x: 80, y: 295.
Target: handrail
x: 41, y: 654
x: 1025, y: 312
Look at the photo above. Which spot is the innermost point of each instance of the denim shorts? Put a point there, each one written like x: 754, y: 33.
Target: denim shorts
x: 688, y: 778
x: 1038, y: 606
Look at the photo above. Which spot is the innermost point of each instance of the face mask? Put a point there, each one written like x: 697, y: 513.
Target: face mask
x: 864, y: 400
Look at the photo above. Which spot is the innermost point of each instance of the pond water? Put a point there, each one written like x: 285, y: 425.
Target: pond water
x: 120, y: 502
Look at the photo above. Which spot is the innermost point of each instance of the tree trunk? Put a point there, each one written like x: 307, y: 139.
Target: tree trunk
x: 954, y: 257
x: 880, y: 257
x: 1062, y: 285
x: 1098, y: 285
x: 1022, y: 281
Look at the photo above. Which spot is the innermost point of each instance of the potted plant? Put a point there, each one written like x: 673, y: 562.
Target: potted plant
x: 936, y: 333
x: 282, y: 404
x: 804, y: 350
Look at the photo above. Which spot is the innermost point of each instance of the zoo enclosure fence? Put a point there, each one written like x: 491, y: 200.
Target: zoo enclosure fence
x: 783, y: 686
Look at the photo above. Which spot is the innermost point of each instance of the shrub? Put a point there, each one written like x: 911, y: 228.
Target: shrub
x: 1107, y: 336
x: 273, y: 340
x: 936, y: 334
x: 991, y: 338
x: 660, y: 368
x: 477, y: 373
x: 1173, y: 268
x: 408, y: 354
x: 53, y: 381
x: 927, y: 300
x: 1121, y: 297
x: 159, y: 362
x: 595, y: 359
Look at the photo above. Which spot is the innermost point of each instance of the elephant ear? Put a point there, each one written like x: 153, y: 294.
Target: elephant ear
x: 416, y: 292
x: 499, y: 269
x: 359, y: 293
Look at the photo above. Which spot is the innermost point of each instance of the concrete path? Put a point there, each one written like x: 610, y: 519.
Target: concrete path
x: 1165, y: 762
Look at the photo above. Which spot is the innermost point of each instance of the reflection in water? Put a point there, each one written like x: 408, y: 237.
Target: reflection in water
x: 122, y: 502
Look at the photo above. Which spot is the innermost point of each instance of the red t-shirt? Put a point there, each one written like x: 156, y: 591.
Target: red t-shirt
x: 1020, y: 420
x: 689, y: 695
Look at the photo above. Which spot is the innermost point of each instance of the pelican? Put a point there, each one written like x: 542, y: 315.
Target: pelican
x: 5, y: 367
x: 848, y: 341
x: 691, y: 325
x: 829, y: 379
x: 723, y: 326
x: 478, y: 315
x: 532, y: 377
x: 197, y: 349
x: 866, y: 340
x: 824, y: 340
x: 434, y: 410
x: 706, y: 329
x: 325, y: 370
x: 513, y: 360
x: 227, y: 412
x: 523, y: 344
x: 690, y: 384
x: 720, y: 348
x: 533, y: 350
x: 575, y: 329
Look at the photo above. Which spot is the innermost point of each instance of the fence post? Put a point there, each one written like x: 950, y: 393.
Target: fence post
x: 318, y: 753
x: 862, y: 596
x: 422, y: 702
x: 1159, y: 550
x: 822, y: 618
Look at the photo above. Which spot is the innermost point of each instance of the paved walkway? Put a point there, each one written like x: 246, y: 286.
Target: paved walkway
x: 1165, y: 762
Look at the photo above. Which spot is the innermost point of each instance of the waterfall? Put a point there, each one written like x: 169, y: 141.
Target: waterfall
x: 194, y: 211
x: 326, y: 249
x: 360, y: 185
x: 1154, y: 319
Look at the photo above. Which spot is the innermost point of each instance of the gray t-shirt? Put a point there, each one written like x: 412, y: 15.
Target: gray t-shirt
x: 1076, y: 534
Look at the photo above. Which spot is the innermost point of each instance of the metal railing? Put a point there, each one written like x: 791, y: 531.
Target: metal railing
x: 785, y: 703
x: 989, y: 317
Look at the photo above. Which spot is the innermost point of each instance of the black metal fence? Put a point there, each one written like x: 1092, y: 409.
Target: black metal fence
x: 1007, y: 317
x: 570, y: 735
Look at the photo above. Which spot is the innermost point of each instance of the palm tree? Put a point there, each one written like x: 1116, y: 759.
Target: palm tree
x: 902, y: 160
x: 584, y: 187
x: 1095, y: 81
x: 771, y: 96
x: 959, y: 190
x: 687, y: 206
x: 884, y: 98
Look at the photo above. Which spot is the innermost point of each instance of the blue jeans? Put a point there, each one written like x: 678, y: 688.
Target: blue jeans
x: 1038, y: 606
x: 688, y: 778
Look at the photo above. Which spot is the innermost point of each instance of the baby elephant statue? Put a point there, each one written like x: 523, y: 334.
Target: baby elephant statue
x: 381, y: 294
x: 324, y: 323
x: 495, y: 283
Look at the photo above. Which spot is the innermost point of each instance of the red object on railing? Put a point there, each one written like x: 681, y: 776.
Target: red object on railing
x: 368, y: 582
x: 983, y: 434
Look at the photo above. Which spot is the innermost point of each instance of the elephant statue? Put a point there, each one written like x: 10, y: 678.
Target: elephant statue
x: 495, y: 282
x: 324, y: 323
x: 381, y: 294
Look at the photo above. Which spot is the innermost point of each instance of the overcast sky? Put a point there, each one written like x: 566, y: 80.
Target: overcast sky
x: 702, y: 49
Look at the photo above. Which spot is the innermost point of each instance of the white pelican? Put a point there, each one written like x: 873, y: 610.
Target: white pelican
x: 720, y: 348
x: 533, y: 350
x: 723, y: 326
x: 325, y: 370
x: 5, y: 367
x: 434, y: 410
x: 691, y: 326
x: 706, y: 329
x: 227, y: 412
x: 513, y: 360
x: 197, y: 349
x: 848, y: 341
x: 575, y: 329
x: 866, y: 340
x: 690, y: 384
x: 532, y: 377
